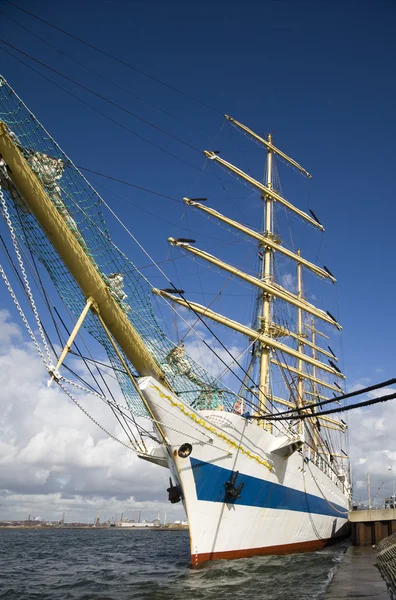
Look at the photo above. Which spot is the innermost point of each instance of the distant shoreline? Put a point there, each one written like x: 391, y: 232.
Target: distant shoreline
x: 100, y: 528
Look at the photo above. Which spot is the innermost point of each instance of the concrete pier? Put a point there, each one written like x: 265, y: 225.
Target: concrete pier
x: 371, y: 526
x: 357, y: 577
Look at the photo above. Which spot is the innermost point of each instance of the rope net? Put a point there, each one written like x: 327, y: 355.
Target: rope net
x: 81, y: 207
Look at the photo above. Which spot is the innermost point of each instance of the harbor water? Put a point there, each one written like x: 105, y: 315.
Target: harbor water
x: 95, y: 564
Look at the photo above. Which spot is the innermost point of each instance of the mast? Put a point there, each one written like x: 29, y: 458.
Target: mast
x: 266, y: 332
x: 314, y: 389
x: 266, y: 275
x: 300, y: 346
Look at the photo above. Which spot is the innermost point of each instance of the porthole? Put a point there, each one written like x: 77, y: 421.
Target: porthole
x: 184, y: 450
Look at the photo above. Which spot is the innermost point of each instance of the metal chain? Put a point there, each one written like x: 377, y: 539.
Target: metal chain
x: 87, y: 390
x: 25, y: 278
x: 107, y: 401
x: 48, y: 363
x: 33, y: 337
x: 22, y: 314
x: 92, y: 418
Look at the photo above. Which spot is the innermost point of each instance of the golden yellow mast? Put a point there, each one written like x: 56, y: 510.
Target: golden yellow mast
x: 300, y: 346
x: 82, y: 268
x: 266, y: 276
x: 313, y: 338
x: 267, y: 330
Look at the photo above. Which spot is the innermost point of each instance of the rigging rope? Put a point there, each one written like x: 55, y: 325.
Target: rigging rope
x: 85, y: 66
x: 371, y: 388
x: 73, y: 399
x: 123, y: 62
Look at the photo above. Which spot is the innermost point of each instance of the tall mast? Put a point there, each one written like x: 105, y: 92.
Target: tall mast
x: 267, y: 332
x: 300, y: 346
x: 266, y: 275
x: 314, y: 389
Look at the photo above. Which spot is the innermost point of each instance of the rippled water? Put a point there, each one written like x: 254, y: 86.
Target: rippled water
x: 147, y: 565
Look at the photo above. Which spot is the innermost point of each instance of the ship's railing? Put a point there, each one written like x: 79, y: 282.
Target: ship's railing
x: 326, y: 468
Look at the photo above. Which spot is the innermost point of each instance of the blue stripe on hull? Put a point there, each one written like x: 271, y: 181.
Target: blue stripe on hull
x: 210, y: 480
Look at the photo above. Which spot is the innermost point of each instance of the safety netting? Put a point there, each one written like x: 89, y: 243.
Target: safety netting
x: 82, y: 209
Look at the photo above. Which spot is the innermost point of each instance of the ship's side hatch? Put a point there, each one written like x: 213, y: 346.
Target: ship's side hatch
x: 285, y: 446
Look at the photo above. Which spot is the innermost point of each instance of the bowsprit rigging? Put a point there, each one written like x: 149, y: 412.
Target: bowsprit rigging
x: 75, y: 207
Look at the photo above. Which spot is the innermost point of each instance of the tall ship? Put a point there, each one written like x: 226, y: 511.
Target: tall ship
x: 256, y: 465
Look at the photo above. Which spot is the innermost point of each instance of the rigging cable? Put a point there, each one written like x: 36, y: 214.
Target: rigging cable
x: 165, y: 276
x: 155, y: 215
x: 85, y: 66
x: 73, y: 399
x: 99, y: 111
x: 281, y: 417
x: 200, y: 318
x: 87, y: 89
x: 168, y: 280
x: 123, y: 62
x: 27, y: 290
x: 105, y: 383
x: 371, y: 388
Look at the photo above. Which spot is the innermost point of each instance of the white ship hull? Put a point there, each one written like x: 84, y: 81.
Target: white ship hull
x: 286, y: 504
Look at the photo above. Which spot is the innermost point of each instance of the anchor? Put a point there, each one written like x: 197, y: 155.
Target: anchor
x: 174, y: 492
x: 233, y: 492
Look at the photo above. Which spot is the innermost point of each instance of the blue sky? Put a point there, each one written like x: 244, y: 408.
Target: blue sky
x: 318, y: 74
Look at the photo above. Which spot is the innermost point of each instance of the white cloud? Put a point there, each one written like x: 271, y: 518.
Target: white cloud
x: 289, y: 281
x: 8, y: 330
x: 54, y: 459
x: 372, y: 447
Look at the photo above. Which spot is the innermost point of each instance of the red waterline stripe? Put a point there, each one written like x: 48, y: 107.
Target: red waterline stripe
x: 199, y: 559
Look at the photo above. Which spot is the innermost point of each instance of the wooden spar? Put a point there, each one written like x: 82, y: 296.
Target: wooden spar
x: 304, y: 375
x: 283, y: 331
x: 84, y: 271
x: 270, y: 288
x: 72, y: 337
x: 265, y: 240
x: 251, y: 333
x: 334, y: 455
x: 314, y: 330
x: 315, y: 395
x: 259, y: 186
x: 269, y: 146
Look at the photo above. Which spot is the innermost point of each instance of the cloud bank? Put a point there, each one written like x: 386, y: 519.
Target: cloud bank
x: 53, y: 459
